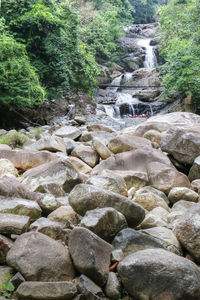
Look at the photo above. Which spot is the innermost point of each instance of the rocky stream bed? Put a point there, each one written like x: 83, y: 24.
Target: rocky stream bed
x: 88, y: 213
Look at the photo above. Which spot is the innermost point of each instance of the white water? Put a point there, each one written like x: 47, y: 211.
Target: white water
x: 150, y: 57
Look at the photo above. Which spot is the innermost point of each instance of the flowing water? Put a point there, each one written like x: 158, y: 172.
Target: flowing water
x: 126, y: 105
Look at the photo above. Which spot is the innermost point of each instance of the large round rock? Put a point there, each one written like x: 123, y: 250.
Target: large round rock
x: 39, y: 258
x: 86, y: 197
x: 157, y: 274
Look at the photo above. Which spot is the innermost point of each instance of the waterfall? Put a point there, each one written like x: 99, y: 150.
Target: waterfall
x: 150, y: 57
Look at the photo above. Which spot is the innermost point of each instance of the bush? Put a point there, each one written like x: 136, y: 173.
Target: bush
x: 14, y: 140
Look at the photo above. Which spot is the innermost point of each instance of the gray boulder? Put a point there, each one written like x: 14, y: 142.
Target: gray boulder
x: 39, y: 258
x: 90, y: 254
x: 158, y: 274
x: 86, y: 197
x: 5, y: 245
x: 13, y: 224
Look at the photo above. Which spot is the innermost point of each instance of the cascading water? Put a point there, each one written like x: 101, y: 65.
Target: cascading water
x: 150, y: 57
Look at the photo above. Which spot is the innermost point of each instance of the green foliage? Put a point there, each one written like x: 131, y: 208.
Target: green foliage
x: 101, y: 26
x: 180, y: 47
x: 7, y: 289
x: 49, y: 29
x: 14, y: 140
x: 19, y: 84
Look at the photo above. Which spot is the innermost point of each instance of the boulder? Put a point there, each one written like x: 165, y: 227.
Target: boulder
x: 196, y: 185
x: 104, y: 136
x: 17, y: 279
x: 70, y: 132
x: 183, y: 143
x: 48, y: 203
x: 130, y: 241
x: 90, y: 254
x: 88, y: 289
x: 154, y: 136
x: 39, y: 258
x: 156, y: 217
x: 24, y: 159
x: 11, y: 187
x: 164, y: 177
x: 64, y: 214
x: 150, y: 198
x: 104, y: 222
x: 7, y: 168
x: 79, y: 165
x: 101, y: 148
x: 182, y: 193
x: 58, y: 171
x: 194, y: 172
x: 113, y: 287
x: 52, y: 229
x: 49, y: 143
x: 178, y: 210
x: 46, y: 290
x: 125, y: 143
x: 22, y: 207
x: 111, y: 182
x: 100, y: 127
x: 136, y: 160
x: 86, y: 154
x: 5, y: 245
x: 13, y: 224
x: 172, y: 277
x: 187, y: 231
x: 51, y: 188
x: 86, y: 197
x: 167, y: 236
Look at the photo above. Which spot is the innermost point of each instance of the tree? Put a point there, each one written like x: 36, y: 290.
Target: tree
x: 19, y: 84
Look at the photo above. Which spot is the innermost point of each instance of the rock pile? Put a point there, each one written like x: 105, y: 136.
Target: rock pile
x: 88, y: 213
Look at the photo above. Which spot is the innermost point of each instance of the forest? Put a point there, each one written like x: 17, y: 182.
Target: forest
x: 50, y: 47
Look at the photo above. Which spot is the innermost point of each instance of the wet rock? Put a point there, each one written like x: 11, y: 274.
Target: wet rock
x: 64, y: 214
x: 70, y: 132
x: 130, y: 241
x: 13, y: 224
x: 94, y: 258
x: 20, y: 207
x: 111, y: 182
x: 49, y: 143
x: 86, y: 197
x: 46, y: 290
x: 187, y: 231
x: 5, y: 245
x: 182, y: 193
x: 89, y: 289
x: 59, y: 171
x: 24, y: 160
x: 113, y: 287
x: 104, y: 222
x: 164, y: 177
x: 182, y: 143
x: 39, y: 258
x: 150, y: 198
x: 7, y: 168
x: 179, y: 279
x: 125, y: 143
x: 52, y: 229
x: 101, y: 148
x: 79, y: 165
x: 86, y: 154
